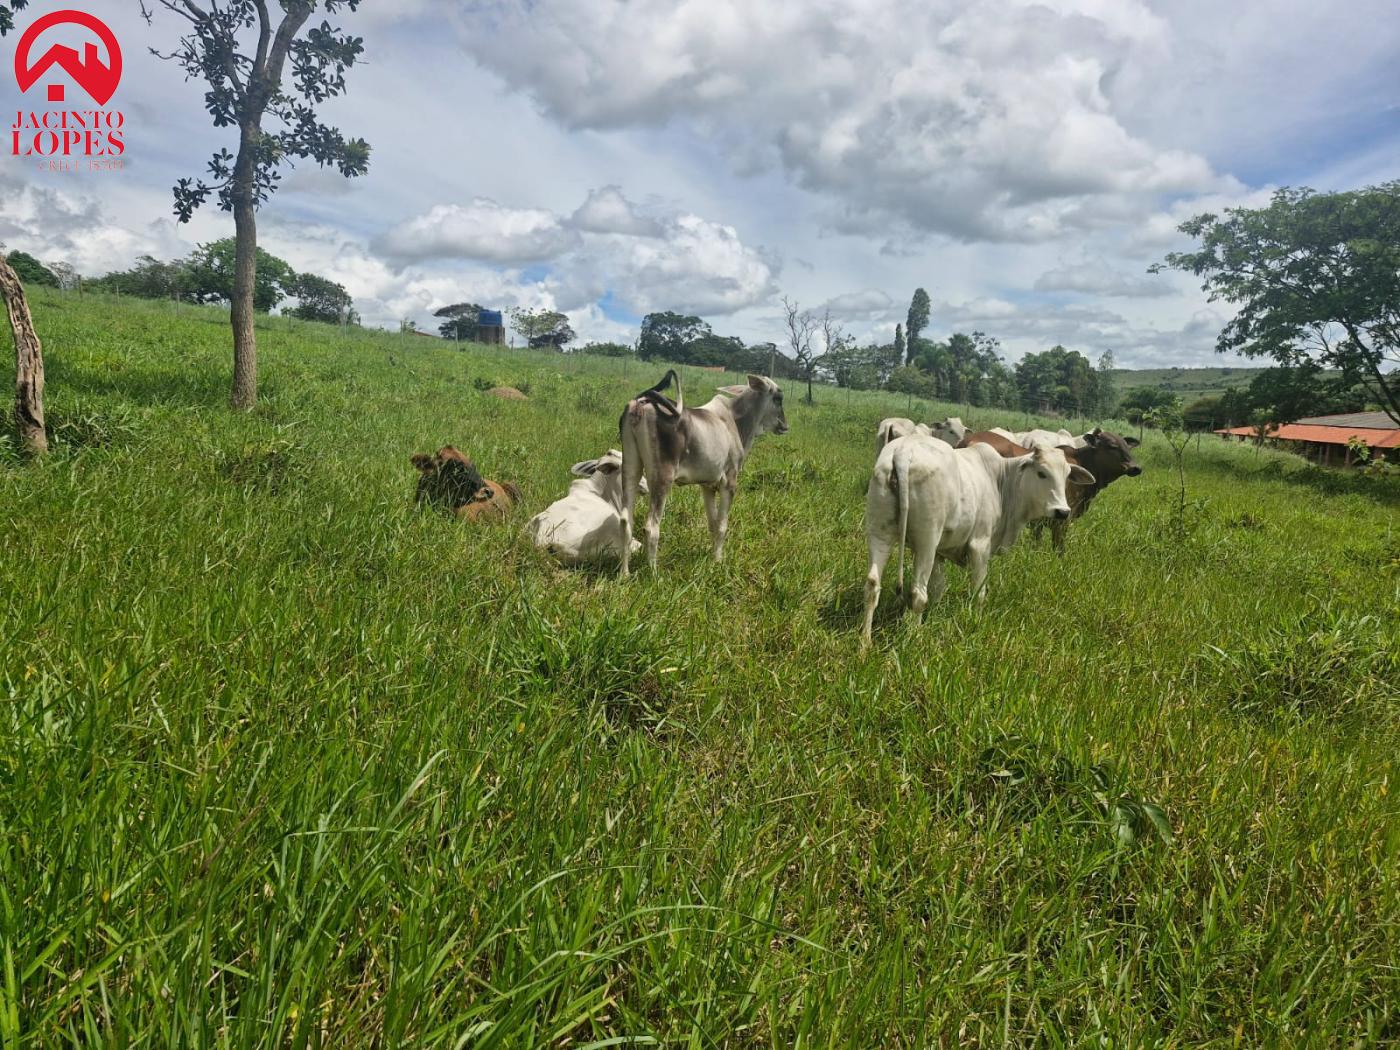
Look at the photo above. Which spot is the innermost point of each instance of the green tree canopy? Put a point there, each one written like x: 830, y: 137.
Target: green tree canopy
x: 666, y: 336
x: 541, y: 328
x: 321, y: 299
x: 150, y: 279
x: 1059, y: 378
x: 7, y: 17
x: 461, y: 321
x: 1315, y: 276
x: 915, y: 323
x: 212, y: 276
x: 31, y: 271
x: 1142, y: 401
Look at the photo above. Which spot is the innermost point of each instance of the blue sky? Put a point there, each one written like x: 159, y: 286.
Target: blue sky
x: 1023, y: 161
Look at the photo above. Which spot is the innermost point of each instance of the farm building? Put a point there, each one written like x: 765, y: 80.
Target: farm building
x: 1327, y: 440
x: 491, y: 328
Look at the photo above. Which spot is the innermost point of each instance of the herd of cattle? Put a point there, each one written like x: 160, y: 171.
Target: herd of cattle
x: 945, y: 493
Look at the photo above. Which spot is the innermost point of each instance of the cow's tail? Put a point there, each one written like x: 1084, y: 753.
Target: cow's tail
x: 654, y: 396
x: 900, y: 480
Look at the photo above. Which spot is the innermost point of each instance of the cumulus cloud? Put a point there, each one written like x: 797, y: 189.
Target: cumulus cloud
x: 871, y: 304
x: 61, y: 224
x: 481, y: 230
x: 992, y: 120
x: 1095, y: 276
x: 607, y: 211
x: 663, y: 262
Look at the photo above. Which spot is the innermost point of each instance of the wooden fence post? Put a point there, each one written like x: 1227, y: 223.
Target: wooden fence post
x: 29, y: 364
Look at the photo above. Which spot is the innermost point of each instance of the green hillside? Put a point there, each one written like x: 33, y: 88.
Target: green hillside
x: 283, y: 762
x: 1187, y: 383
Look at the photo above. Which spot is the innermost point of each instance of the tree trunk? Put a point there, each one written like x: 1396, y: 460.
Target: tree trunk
x: 29, y: 365
x: 245, y: 276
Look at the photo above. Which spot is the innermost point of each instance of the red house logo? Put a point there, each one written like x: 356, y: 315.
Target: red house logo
x: 68, y: 139
x: 97, y: 78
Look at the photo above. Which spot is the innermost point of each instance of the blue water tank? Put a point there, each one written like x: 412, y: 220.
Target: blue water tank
x: 490, y: 319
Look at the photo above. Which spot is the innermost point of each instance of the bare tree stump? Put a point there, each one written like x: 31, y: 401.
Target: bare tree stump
x: 29, y: 364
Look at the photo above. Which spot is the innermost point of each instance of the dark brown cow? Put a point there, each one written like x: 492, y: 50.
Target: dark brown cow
x: 1108, y: 457
x: 451, y: 482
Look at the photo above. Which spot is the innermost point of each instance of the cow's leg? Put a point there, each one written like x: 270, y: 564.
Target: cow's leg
x: 719, y: 519
x: 660, y: 489
x: 979, y: 556
x: 925, y: 565
x: 880, y: 551
x: 711, y: 494
x: 631, y: 485
x: 938, y: 582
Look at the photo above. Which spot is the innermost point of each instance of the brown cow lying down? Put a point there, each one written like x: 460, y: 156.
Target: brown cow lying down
x: 451, y: 482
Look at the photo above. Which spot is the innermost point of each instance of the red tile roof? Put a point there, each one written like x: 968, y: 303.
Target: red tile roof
x: 1325, y: 435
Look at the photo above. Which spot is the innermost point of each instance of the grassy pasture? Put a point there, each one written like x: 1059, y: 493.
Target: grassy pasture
x: 283, y: 763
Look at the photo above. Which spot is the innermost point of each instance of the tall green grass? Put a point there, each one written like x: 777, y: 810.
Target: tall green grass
x: 284, y: 763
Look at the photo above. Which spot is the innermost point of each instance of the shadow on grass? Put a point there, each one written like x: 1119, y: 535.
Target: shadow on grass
x: 1329, y: 481
x: 186, y: 387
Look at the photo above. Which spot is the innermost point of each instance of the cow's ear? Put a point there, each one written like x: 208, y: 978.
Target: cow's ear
x: 1131, y: 442
x: 758, y: 383
x: 422, y: 461
x: 608, y: 467
x: 731, y: 391
x: 1080, y: 476
x: 1091, y: 438
x: 584, y: 469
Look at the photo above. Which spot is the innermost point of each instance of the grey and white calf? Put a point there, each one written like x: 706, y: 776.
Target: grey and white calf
x: 896, y: 427
x: 952, y: 430
x: 583, y: 526
x: 666, y: 444
x: 962, y: 505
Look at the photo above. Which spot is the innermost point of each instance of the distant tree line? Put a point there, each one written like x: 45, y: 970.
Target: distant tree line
x: 208, y: 276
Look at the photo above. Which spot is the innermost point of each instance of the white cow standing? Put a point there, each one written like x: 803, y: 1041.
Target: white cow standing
x: 1048, y: 438
x: 962, y: 505
x: 895, y: 427
x: 952, y: 430
x: 585, y: 526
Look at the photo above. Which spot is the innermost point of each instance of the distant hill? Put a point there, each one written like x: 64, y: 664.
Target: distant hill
x: 1187, y: 383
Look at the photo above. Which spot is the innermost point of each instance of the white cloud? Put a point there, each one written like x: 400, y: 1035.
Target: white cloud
x: 483, y: 230
x: 1093, y: 275
x: 984, y: 121
x: 607, y: 211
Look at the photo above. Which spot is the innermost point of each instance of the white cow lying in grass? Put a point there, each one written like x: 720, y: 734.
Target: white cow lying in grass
x: 585, y: 525
x: 961, y: 504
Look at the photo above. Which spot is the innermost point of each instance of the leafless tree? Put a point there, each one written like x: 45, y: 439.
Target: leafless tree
x: 802, y: 330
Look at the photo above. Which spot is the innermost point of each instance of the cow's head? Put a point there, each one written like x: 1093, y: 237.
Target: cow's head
x: 448, y: 479
x: 1109, y: 456
x: 605, y: 469
x: 771, y: 419
x: 1043, y: 478
x: 952, y: 430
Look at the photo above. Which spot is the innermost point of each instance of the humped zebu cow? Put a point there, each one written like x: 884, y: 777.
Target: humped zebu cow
x: 669, y: 444
x: 584, y: 526
x: 1048, y: 438
x: 896, y: 427
x: 450, y: 481
x: 962, y: 505
x: 952, y: 430
x: 1104, y: 454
